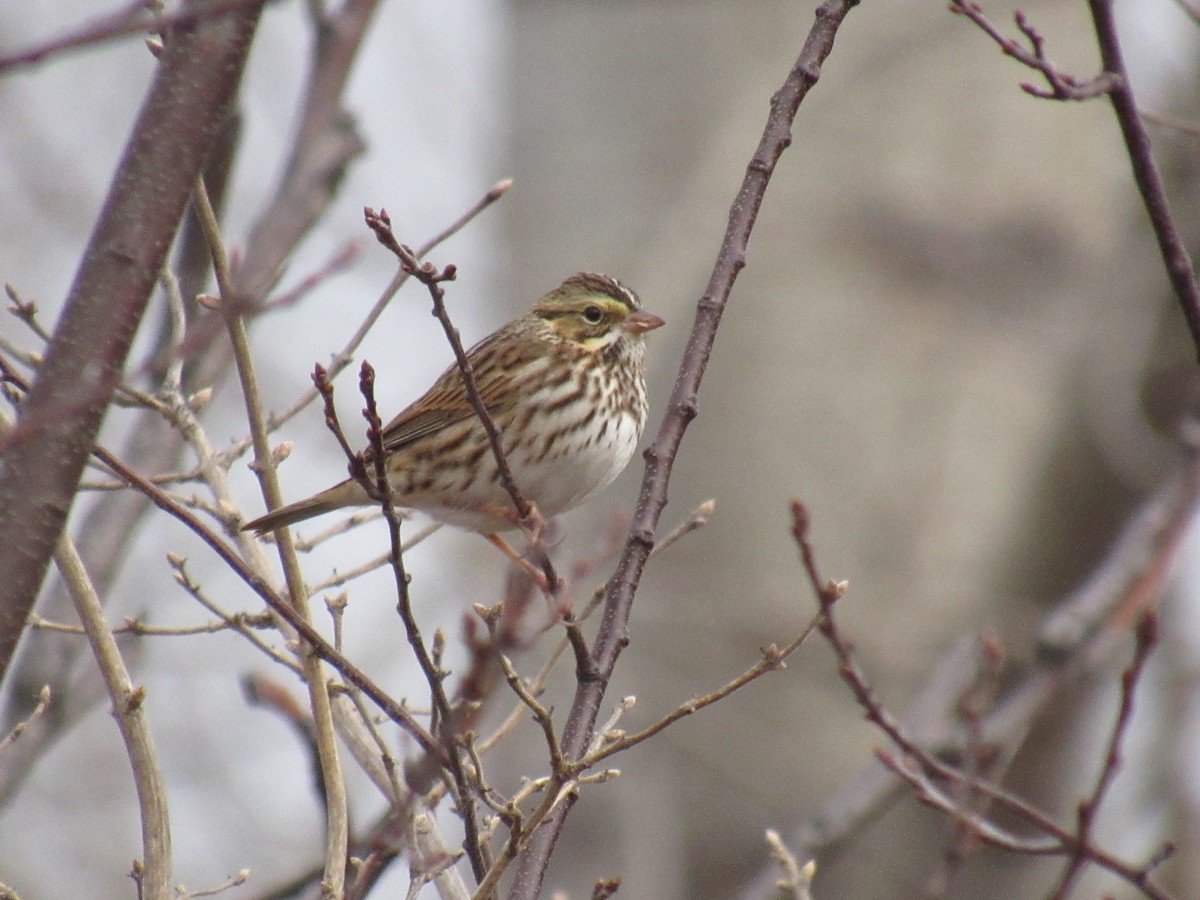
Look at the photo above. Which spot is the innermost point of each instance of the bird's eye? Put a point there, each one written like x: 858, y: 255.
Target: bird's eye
x: 593, y: 314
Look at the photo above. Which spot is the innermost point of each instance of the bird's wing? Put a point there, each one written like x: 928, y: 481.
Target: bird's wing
x: 447, y: 403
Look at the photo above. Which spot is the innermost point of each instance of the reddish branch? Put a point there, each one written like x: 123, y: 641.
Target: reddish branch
x: 1061, y: 85
x: 919, y: 767
x: 1076, y: 640
x: 1146, y: 639
x: 374, y: 481
x: 197, y: 79
x: 613, y: 635
x: 1145, y: 171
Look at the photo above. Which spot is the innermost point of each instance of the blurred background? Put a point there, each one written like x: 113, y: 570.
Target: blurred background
x: 953, y: 341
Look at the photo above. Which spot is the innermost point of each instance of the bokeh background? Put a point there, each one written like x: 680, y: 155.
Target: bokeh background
x: 953, y: 341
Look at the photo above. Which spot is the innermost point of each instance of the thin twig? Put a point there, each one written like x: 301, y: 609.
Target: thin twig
x: 696, y: 519
x: 771, y: 660
x: 471, y: 691
x: 141, y: 629
x: 434, y: 676
x: 27, y: 312
x: 1061, y: 85
x: 1113, y: 81
x: 236, y: 881
x: 395, y: 711
x: 1174, y: 123
x: 342, y: 526
x: 382, y: 764
x: 433, y: 861
x: 337, y: 816
x: 796, y: 879
x: 342, y: 358
x: 541, y: 714
x: 179, y: 567
x: 336, y: 263
x: 1060, y: 843
x: 429, y: 275
x: 1146, y: 639
x: 17, y: 730
x: 342, y: 577
x: 917, y: 761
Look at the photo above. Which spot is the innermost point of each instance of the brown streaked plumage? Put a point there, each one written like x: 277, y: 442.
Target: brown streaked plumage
x: 563, y: 383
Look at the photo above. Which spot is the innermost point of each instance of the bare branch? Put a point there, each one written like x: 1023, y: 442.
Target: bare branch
x: 236, y: 881
x: 434, y: 676
x: 917, y: 763
x: 337, y: 825
x: 342, y: 358
x: 429, y: 276
x: 796, y: 879
x: 660, y: 457
x: 1147, y: 638
x: 1113, y: 81
x: 1062, y: 86
x: 395, y: 711
x: 1176, y: 258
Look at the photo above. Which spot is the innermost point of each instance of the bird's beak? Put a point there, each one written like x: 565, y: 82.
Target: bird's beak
x: 640, y: 321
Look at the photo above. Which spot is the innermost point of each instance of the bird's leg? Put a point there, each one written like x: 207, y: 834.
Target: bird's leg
x: 538, y: 576
x: 533, y: 525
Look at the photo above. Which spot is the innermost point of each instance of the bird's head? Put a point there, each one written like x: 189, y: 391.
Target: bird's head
x: 594, y: 312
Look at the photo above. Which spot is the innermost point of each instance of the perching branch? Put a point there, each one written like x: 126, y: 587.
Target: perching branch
x: 429, y: 276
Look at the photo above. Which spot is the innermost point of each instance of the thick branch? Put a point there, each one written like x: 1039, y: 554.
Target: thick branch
x: 731, y: 258
x: 198, y: 76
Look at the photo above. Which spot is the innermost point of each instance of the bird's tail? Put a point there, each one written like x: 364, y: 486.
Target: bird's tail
x: 347, y: 493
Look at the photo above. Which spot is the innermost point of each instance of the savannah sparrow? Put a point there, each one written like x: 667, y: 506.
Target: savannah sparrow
x: 564, y: 384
